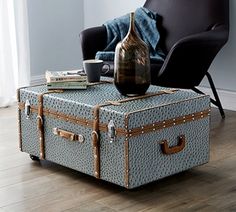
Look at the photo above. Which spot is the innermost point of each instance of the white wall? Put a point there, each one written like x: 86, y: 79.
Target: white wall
x: 54, y: 27
x: 97, y: 12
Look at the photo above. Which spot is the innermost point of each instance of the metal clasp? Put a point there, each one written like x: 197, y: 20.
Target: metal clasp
x: 27, y: 109
x: 111, y: 131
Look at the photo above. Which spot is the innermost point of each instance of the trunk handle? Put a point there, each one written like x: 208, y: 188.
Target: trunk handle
x: 172, y: 150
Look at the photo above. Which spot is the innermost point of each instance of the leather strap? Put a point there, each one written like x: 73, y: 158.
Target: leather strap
x: 40, y: 121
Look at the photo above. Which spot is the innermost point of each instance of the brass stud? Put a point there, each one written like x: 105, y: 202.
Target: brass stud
x: 142, y: 132
x: 201, y: 116
x: 164, y: 126
x: 154, y: 129
x: 174, y: 123
x: 130, y: 135
x: 193, y: 118
x: 184, y: 121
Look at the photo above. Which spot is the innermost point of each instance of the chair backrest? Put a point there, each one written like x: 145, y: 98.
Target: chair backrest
x: 185, y: 17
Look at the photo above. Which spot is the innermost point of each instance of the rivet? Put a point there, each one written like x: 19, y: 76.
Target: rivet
x: 192, y: 114
x: 184, y: 120
x: 173, y: 119
x: 130, y: 135
x: 130, y: 130
x: 164, y: 122
x: 174, y: 123
x: 201, y: 112
x: 201, y: 116
x: 153, y: 125
x: 126, y: 127
x: 142, y: 128
x: 142, y: 132
x: 192, y: 118
x: 154, y: 129
x: 183, y: 117
x: 164, y: 126
x: 58, y: 116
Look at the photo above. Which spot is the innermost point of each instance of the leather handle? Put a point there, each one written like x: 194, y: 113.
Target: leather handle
x: 172, y: 150
x: 68, y: 135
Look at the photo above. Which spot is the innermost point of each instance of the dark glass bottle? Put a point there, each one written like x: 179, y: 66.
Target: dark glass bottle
x: 132, y: 64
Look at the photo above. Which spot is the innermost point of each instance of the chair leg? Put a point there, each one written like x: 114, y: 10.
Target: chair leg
x: 217, y: 99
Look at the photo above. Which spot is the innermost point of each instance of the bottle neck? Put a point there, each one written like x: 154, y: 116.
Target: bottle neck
x: 131, y: 23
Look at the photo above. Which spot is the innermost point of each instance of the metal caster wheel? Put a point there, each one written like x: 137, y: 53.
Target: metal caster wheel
x: 34, y: 158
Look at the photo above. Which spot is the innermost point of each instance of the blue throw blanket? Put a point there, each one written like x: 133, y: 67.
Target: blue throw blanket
x: 145, y: 25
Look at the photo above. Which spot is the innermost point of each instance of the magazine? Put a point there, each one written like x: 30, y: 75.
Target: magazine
x: 70, y: 75
x: 67, y: 85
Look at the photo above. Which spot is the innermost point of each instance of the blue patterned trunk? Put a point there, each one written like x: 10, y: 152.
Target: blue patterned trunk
x: 136, y: 155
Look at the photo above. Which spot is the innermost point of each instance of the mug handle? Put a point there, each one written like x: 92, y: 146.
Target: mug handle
x: 109, y: 67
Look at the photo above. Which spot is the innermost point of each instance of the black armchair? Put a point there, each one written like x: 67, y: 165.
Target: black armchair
x: 192, y: 33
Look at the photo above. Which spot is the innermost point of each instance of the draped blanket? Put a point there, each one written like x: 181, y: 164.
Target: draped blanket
x: 146, y: 27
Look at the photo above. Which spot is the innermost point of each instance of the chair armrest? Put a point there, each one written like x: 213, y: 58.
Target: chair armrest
x: 92, y: 40
x: 191, y: 57
x: 217, y: 35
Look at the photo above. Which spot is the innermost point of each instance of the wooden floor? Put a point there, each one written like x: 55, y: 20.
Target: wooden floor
x: 31, y: 186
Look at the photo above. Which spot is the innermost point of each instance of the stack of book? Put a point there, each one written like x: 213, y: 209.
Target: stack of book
x: 74, y: 79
